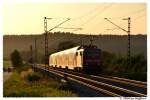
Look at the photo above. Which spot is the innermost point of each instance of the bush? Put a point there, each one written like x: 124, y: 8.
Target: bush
x: 21, y: 69
x: 34, y: 76
x: 119, y: 66
x: 138, y: 76
x: 16, y: 59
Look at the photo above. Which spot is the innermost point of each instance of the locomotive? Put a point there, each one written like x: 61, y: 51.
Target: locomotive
x: 79, y: 58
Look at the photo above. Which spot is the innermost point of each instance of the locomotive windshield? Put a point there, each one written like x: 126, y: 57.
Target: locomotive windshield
x: 92, y: 52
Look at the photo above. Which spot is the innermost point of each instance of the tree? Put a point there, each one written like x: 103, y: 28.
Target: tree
x: 16, y: 59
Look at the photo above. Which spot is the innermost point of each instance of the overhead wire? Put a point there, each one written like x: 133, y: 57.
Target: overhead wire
x: 85, y: 15
x: 105, y: 8
x: 130, y: 13
x: 82, y: 16
x: 95, y: 15
x: 133, y: 13
x: 88, y: 13
x: 92, y: 17
x: 100, y: 12
x: 122, y: 24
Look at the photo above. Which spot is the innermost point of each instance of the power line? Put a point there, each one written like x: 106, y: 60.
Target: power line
x: 123, y: 25
x: 88, y: 13
x: 139, y: 17
x: 92, y: 17
x: 59, y: 24
x: 100, y: 12
x: 127, y: 31
x: 131, y: 13
x: 69, y: 28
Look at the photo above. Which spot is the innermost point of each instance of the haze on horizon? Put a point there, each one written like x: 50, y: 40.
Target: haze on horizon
x: 28, y: 18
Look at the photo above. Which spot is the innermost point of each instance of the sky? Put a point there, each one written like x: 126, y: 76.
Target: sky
x: 28, y: 18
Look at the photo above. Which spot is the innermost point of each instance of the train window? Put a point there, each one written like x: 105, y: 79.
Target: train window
x: 76, y: 53
x: 80, y: 53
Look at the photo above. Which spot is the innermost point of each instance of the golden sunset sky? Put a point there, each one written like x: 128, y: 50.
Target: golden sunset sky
x: 28, y: 18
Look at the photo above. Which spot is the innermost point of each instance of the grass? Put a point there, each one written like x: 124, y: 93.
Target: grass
x: 18, y: 86
x: 7, y: 63
x: 24, y: 67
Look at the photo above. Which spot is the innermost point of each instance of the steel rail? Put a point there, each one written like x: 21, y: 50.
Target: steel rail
x: 116, y: 79
x: 124, y: 79
x: 83, y: 83
x: 105, y: 85
x: 129, y: 92
x: 121, y: 81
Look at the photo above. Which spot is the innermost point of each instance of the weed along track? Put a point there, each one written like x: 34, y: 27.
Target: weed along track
x: 103, y: 85
x: 35, y: 84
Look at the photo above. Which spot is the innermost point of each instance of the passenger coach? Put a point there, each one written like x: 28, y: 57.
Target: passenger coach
x: 80, y: 58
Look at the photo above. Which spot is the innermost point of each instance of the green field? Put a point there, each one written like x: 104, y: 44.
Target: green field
x: 7, y: 63
x: 19, y: 86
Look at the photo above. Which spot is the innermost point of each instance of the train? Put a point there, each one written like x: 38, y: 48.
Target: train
x: 79, y: 58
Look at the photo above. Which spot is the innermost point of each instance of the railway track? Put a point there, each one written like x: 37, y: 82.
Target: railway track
x: 143, y: 84
x: 128, y: 82
x: 133, y: 85
x: 101, y: 84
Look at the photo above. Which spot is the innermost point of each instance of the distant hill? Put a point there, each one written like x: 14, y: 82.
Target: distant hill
x: 112, y: 43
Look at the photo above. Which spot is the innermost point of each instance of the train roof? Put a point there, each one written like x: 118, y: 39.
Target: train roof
x: 71, y: 50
